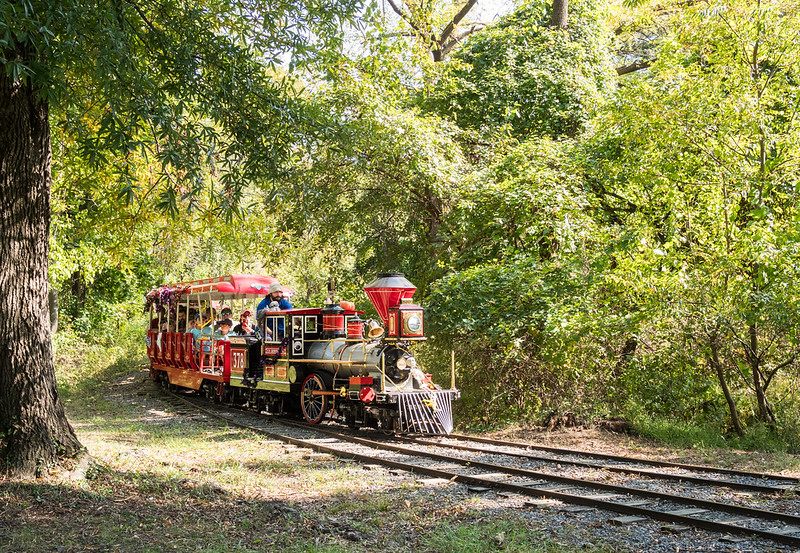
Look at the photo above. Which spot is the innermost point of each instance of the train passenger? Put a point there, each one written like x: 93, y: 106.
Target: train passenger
x: 207, y: 329
x: 196, y: 324
x: 274, y: 301
x: 224, y: 331
x: 208, y: 320
x: 244, y: 328
x: 225, y: 313
x: 181, y: 321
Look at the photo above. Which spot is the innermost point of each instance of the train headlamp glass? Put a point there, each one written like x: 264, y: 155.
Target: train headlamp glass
x: 413, y: 323
x: 401, y: 364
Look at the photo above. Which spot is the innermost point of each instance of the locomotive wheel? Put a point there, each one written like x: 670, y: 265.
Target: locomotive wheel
x: 314, y: 407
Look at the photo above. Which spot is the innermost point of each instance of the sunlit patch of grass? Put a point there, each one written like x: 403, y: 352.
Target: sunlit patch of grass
x: 488, y: 536
x: 364, y: 504
x: 82, y: 366
x: 776, y: 448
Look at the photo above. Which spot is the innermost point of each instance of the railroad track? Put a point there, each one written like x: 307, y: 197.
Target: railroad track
x: 508, y: 471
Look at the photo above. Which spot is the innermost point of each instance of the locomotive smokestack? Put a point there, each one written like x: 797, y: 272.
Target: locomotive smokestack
x: 388, y: 290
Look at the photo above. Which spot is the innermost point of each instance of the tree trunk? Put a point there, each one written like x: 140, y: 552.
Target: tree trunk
x: 33, y: 426
x: 560, y: 16
x: 765, y: 414
x: 52, y: 298
x: 77, y: 285
x: 715, y: 363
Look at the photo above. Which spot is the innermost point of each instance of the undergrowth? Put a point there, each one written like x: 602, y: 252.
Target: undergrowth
x: 757, y: 437
x: 84, y: 362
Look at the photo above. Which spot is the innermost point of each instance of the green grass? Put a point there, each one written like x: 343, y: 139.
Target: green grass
x: 683, y: 434
x: 85, y: 367
x: 760, y: 449
x: 488, y: 536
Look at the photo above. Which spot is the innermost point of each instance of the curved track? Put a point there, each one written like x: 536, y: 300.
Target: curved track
x: 506, y: 469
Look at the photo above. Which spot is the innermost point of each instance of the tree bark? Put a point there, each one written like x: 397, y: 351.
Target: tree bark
x: 715, y: 363
x: 560, y: 16
x: 34, y: 429
x: 77, y: 284
x: 635, y: 66
x: 52, y: 299
x: 765, y: 414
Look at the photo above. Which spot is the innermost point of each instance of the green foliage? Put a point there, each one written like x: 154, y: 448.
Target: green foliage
x: 527, y: 77
x: 378, y: 184
x: 528, y: 202
x: 86, y: 363
x: 515, y: 309
x: 695, y: 164
x: 694, y: 435
x: 581, y: 247
x: 175, y: 101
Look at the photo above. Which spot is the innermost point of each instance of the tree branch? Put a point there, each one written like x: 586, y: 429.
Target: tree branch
x: 450, y: 27
x: 635, y: 66
x: 450, y: 44
x: 406, y: 17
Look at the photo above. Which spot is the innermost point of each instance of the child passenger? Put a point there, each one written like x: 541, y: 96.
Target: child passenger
x: 224, y: 330
x: 195, y: 330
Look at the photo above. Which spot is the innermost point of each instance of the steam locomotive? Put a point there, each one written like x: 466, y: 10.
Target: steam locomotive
x: 318, y: 362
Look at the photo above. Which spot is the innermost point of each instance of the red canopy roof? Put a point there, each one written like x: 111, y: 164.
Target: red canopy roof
x: 236, y: 285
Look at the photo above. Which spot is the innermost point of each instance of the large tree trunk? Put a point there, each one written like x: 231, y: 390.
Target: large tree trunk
x: 32, y: 417
x: 560, y: 15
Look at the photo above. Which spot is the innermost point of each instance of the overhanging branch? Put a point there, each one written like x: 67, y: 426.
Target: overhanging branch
x: 635, y: 66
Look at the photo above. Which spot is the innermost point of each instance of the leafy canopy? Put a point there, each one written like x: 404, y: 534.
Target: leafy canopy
x: 528, y: 77
x: 198, y: 90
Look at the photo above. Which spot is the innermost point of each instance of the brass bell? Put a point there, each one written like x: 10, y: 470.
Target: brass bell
x: 374, y: 329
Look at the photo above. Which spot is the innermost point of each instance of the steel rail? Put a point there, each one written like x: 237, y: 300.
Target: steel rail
x: 531, y: 490
x: 564, y: 451
x: 611, y: 468
x: 528, y: 473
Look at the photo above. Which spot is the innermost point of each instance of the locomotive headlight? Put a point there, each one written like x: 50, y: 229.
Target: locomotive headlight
x: 414, y: 323
x: 401, y: 364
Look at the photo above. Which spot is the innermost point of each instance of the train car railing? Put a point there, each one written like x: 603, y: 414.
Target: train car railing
x: 189, y: 359
x: 167, y: 341
x: 160, y: 348
x: 179, y: 359
x: 215, y: 356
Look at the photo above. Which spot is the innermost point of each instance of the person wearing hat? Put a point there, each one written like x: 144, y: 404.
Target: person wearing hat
x: 225, y: 313
x: 224, y: 330
x: 274, y: 301
x: 244, y: 328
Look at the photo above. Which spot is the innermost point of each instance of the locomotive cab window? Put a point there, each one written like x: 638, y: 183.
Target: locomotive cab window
x: 297, y: 327
x: 311, y: 325
x: 276, y: 325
